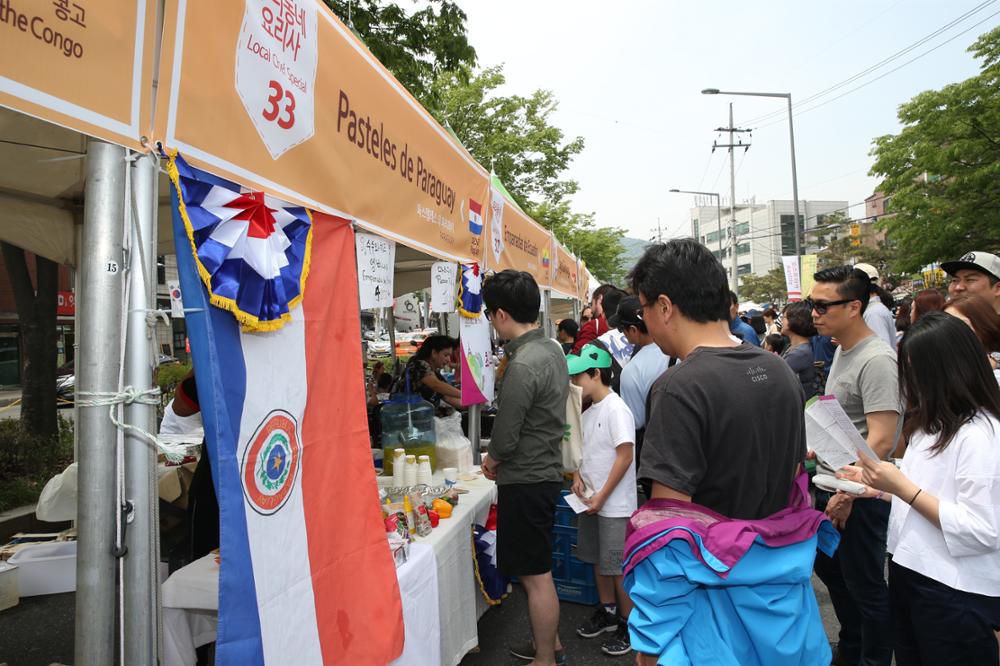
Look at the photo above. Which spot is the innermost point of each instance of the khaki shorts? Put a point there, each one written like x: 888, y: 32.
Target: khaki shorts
x: 601, y: 541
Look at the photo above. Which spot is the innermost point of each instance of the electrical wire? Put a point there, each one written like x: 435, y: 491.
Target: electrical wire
x: 781, y: 113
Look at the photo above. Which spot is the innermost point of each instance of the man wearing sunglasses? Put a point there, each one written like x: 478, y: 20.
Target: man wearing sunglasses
x: 863, y: 378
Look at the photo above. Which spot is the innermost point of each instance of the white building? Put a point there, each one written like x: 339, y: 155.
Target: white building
x: 765, y: 232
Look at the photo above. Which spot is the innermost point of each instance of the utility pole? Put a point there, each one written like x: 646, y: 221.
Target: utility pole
x: 732, y: 187
x: 659, y: 230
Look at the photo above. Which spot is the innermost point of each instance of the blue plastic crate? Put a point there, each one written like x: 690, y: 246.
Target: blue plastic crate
x: 574, y: 579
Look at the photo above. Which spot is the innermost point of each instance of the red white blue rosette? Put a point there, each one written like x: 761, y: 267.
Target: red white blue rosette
x: 252, y: 250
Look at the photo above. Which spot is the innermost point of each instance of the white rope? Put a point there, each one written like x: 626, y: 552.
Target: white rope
x: 174, y: 447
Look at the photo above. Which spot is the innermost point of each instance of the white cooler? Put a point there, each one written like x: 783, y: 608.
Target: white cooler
x: 48, y: 568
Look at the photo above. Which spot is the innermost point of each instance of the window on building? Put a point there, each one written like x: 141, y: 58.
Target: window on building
x: 742, y: 228
x: 743, y: 269
x: 743, y: 248
x: 161, y: 270
x: 712, y: 237
x: 885, y: 203
x: 695, y: 228
x: 788, y: 233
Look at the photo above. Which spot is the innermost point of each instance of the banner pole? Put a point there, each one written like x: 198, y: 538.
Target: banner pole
x: 140, y: 567
x: 475, y: 414
x: 97, y: 368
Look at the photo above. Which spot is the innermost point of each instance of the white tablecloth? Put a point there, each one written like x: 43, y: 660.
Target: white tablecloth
x: 459, y: 592
x: 191, y: 617
x: 439, y: 574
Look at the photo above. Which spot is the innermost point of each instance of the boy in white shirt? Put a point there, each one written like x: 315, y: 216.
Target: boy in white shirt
x: 606, y: 483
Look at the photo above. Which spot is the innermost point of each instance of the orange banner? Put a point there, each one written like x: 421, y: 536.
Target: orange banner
x: 518, y: 242
x: 83, y: 64
x: 282, y: 97
x: 565, y: 280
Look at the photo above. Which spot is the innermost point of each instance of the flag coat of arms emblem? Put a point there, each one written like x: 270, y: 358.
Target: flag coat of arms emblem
x: 475, y: 217
x: 305, y: 573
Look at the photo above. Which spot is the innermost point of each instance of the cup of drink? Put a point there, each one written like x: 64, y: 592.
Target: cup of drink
x: 450, y: 476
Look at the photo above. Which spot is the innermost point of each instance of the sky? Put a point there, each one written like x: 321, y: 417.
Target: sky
x: 628, y: 77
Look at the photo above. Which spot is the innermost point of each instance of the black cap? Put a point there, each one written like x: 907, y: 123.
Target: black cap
x: 627, y: 313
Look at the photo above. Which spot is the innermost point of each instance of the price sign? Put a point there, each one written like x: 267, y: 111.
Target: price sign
x: 376, y: 257
x: 276, y: 57
x: 443, y: 287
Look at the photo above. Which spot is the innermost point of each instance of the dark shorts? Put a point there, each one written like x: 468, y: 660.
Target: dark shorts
x: 525, y: 519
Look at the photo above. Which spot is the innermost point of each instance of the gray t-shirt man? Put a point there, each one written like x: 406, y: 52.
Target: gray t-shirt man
x: 863, y: 379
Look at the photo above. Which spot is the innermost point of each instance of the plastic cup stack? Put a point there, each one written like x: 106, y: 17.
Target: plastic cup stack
x: 424, y: 471
x: 410, y: 475
x: 398, y: 468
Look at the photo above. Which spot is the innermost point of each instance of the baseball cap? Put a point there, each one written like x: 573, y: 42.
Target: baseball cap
x: 869, y: 270
x: 591, y: 356
x: 984, y: 262
x: 626, y: 315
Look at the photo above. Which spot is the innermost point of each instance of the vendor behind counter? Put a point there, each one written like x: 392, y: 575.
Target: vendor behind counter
x: 424, y: 371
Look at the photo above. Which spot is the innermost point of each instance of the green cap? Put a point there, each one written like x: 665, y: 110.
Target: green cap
x: 591, y: 356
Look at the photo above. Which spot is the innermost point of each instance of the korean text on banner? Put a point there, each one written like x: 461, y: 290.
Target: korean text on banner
x: 443, y: 286
x: 87, y: 65
x: 792, y: 281
x: 808, y: 271
x: 478, y: 373
x: 282, y: 97
x: 376, y: 257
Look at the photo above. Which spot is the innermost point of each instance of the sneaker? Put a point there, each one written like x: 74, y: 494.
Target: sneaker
x: 602, y: 621
x: 527, y: 653
x: 619, y: 644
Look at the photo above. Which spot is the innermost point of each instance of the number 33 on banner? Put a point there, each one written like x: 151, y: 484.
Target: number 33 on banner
x: 273, y: 110
x: 276, y: 57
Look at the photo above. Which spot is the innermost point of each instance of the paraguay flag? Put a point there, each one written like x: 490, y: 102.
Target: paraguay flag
x: 475, y: 217
x: 305, y: 572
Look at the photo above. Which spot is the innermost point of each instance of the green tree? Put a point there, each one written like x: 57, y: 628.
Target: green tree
x: 942, y: 170
x: 768, y: 288
x: 417, y: 46
x: 512, y: 135
x: 839, y: 250
x: 599, y: 247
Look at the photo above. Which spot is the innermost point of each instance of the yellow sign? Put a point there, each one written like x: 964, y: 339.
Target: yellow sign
x: 83, y: 64
x: 808, y: 262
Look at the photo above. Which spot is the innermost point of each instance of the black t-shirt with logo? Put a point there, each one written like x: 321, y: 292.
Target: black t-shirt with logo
x: 727, y: 427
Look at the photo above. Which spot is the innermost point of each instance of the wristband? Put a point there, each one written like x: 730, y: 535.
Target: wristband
x: 919, y: 490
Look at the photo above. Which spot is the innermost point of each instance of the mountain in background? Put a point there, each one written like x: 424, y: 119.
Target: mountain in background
x: 633, y: 249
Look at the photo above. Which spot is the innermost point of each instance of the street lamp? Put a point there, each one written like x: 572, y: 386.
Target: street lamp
x: 718, y: 211
x: 791, y: 139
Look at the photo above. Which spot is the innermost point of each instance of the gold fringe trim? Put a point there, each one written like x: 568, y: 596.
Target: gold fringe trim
x: 249, y: 322
x: 479, y: 580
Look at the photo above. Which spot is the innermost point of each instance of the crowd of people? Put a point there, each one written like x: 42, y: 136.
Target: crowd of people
x: 699, y: 521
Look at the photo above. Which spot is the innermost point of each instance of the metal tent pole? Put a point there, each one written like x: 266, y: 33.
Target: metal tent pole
x: 140, y: 567
x: 97, y: 370
x: 475, y: 416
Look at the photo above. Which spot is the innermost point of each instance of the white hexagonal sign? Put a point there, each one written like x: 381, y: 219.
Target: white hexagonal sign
x: 276, y: 59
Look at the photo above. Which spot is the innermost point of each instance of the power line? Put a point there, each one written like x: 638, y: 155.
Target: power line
x: 882, y: 76
x: 781, y: 113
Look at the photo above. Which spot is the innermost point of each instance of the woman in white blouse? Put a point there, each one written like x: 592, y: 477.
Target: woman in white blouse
x: 944, y: 529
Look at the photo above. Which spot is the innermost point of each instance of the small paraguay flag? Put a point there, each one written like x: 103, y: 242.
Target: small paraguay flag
x: 475, y: 217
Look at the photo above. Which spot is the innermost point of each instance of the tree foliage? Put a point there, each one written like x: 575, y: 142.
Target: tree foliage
x: 840, y: 251
x: 768, y: 288
x: 415, y: 46
x: 942, y: 170
x: 512, y: 135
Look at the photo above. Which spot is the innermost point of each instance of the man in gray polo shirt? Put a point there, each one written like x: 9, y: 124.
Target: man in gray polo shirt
x: 863, y: 378
x: 525, y: 454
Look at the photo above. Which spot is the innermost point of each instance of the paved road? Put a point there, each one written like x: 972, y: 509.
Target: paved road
x: 39, y: 631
